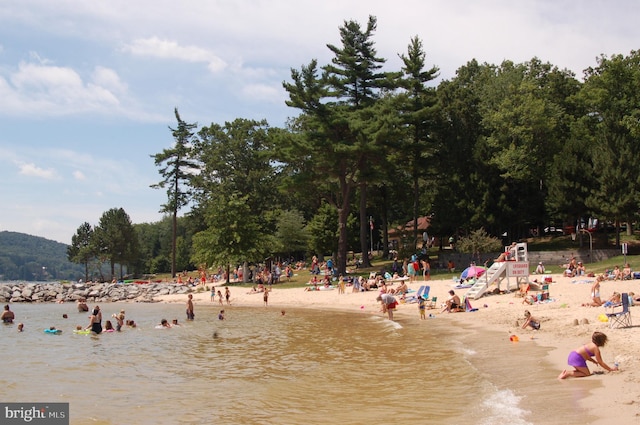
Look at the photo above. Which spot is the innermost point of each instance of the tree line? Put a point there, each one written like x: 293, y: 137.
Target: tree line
x: 32, y: 258
x: 507, y: 148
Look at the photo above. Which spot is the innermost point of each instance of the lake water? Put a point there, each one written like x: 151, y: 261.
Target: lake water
x: 307, y: 367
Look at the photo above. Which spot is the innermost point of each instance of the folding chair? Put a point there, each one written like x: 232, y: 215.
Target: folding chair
x: 620, y: 319
x: 423, y: 292
x: 433, y: 303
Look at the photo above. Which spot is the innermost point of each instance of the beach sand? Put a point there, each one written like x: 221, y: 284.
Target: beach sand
x: 616, y: 400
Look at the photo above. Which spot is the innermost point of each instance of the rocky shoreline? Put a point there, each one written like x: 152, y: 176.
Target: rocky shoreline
x: 44, y: 292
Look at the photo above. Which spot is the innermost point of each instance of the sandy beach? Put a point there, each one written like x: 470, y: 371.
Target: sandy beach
x: 616, y: 398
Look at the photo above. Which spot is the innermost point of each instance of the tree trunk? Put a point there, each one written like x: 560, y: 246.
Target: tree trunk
x: 416, y: 204
x: 174, y: 229
x: 343, y: 214
x: 385, y: 224
x: 364, y: 226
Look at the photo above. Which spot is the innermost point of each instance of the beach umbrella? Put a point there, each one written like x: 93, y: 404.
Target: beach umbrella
x: 472, y: 271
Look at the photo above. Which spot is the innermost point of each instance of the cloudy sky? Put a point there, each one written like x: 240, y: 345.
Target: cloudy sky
x: 88, y: 88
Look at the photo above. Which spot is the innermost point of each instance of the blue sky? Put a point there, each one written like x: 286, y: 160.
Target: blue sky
x: 88, y: 88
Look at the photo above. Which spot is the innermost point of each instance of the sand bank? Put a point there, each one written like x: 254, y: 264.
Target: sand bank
x: 617, y: 398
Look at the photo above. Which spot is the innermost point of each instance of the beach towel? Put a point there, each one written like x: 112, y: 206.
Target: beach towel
x: 467, y: 306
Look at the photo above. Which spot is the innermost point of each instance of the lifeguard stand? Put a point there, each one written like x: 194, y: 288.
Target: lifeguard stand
x: 517, y: 267
x: 520, y: 267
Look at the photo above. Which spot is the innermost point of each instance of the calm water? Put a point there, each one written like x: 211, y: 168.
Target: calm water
x: 307, y: 367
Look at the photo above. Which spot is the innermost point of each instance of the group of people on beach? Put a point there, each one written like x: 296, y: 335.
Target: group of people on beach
x: 577, y: 358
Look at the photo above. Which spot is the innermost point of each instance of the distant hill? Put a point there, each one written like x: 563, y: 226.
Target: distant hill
x: 28, y: 258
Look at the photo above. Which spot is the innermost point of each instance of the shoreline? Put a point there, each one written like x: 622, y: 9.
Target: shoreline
x: 614, y: 398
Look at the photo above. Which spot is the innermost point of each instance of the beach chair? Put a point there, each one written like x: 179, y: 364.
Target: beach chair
x: 433, y: 303
x: 423, y: 292
x: 621, y: 318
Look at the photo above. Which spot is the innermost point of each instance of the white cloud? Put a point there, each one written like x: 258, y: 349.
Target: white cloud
x: 263, y: 92
x: 79, y: 175
x: 167, y: 49
x: 109, y: 80
x: 30, y: 169
x: 54, y: 90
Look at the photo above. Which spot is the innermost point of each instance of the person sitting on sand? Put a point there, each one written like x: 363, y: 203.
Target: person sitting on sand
x: 313, y: 287
x: 614, y: 301
x: 402, y: 289
x: 453, y: 303
x: 570, y: 268
x: 616, y: 274
x: 626, y: 272
x: 568, y: 271
x: 596, y: 301
x: 578, y: 358
x: 529, y: 320
x: 540, y: 268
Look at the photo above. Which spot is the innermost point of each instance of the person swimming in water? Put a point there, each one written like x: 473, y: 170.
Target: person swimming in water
x: 95, y: 320
x: 7, y: 315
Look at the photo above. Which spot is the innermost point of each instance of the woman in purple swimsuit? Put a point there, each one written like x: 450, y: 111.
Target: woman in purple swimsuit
x: 578, y: 357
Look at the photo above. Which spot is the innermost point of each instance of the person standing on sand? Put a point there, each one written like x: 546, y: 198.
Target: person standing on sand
x: 578, y: 358
x: 265, y: 297
x: 389, y: 304
x: 227, y: 295
x: 341, y: 285
x: 190, y: 313
x: 426, y: 269
x: 422, y: 307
